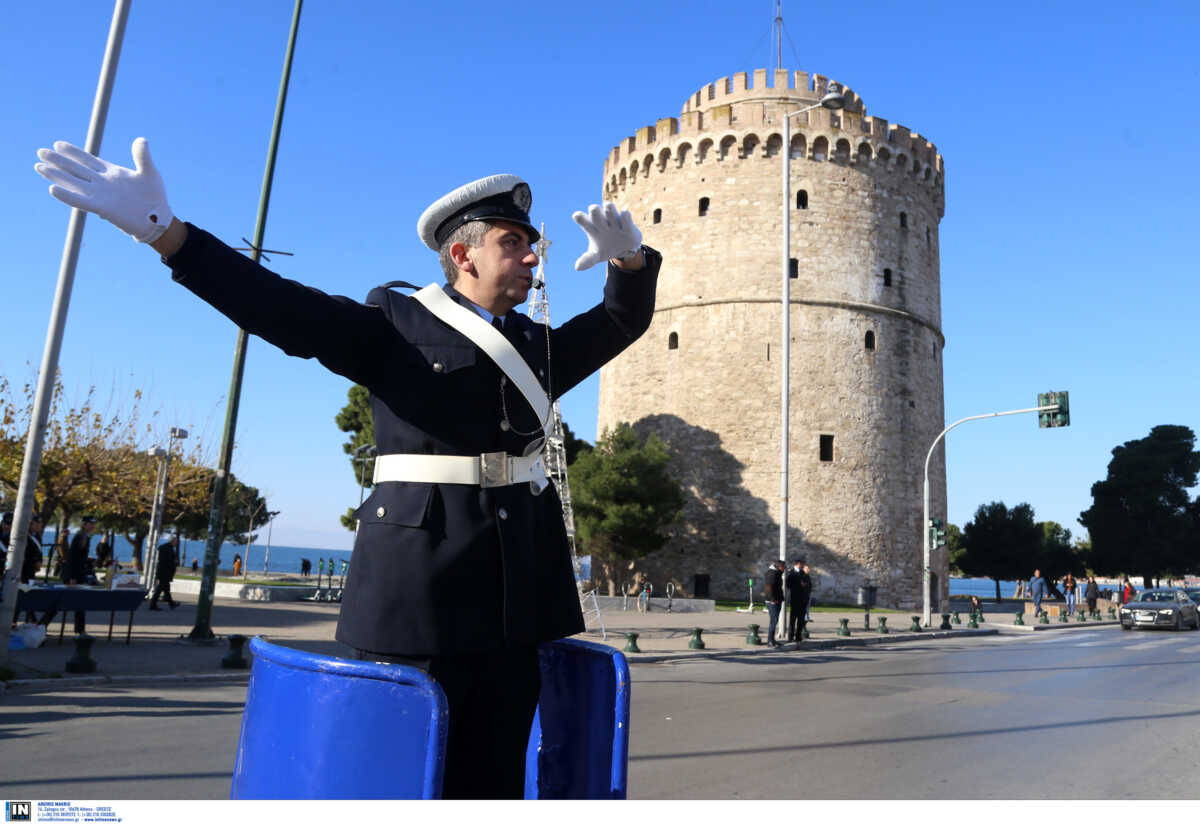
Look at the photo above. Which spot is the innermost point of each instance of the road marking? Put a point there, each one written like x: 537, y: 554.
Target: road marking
x: 1150, y: 644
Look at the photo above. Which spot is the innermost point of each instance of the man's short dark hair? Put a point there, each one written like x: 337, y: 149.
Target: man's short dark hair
x: 470, y: 234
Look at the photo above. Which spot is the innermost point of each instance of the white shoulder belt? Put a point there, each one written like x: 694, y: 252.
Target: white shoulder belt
x: 492, y: 468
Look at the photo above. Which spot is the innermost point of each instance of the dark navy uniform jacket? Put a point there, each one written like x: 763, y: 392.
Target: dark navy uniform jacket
x: 437, y: 568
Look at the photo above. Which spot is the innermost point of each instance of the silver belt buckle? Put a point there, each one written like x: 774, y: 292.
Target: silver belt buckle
x: 493, y: 469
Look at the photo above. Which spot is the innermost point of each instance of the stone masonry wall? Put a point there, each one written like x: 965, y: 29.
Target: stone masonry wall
x: 706, y: 376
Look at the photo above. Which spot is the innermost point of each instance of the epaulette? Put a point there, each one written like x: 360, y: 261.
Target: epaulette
x: 398, y: 284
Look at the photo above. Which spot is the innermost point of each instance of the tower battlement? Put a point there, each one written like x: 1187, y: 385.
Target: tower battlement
x: 736, y: 109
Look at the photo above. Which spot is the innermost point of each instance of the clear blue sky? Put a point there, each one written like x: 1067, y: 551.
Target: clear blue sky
x: 1067, y: 128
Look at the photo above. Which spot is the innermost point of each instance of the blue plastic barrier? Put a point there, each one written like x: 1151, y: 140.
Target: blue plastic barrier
x: 322, y: 727
x: 315, y: 727
x: 579, y: 744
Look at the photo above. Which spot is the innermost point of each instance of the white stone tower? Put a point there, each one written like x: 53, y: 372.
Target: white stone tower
x: 866, y: 341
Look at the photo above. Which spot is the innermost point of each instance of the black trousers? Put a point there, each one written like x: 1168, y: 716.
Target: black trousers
x: 161, y: 589
x: 796, y: 620
x: 492, y: 697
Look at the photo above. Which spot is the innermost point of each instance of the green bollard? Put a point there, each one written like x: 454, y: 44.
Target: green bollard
x: 1112, y: 613
x: 916, y: 624
x: 979, y: 616
x: 82, y: 662
x: 752, y: 638
x: 1063, y: 619
x: 1045, y: 619
x: 1095, y: 616
x: 883, y: 630
x: 696, y: 643
x: 804, y: 633
x: 631, y: 642
x: 844, y: 627
x: 972, y: 623
x: 234, y: 658
x: 1019, y: 622
x: 945, y: 621
x: 1082, y: 619
x: 956, y: 619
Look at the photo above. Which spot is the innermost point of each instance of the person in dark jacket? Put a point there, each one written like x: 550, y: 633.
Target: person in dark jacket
x: 168, y: 562
x: 1090, y: 593
x: 774, y: 598
x: 461, y: 565
x: 75, y: 568
x: 799, y: 589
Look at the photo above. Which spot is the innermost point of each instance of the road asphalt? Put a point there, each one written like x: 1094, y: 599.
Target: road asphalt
x: 161, y: 650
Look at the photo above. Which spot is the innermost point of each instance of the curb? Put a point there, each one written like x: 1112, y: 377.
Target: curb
x: 24, y: 685
x: 834, y: 643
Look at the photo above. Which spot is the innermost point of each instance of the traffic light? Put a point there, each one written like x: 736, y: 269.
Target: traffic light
x: 1049, y: 419
x: 937, y: 533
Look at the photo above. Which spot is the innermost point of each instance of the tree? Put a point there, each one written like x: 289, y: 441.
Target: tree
x: 1141, y: 518
x: 572, y: 445
x: 1056, y: 556
x: 357, y: 419
x: 954, y: 546
x: 1000, y: 543
x: 623, y: 497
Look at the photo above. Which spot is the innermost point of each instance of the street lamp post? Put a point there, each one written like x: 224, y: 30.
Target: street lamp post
x: 271, y: 513
x: 832, y: 99
x: 150, y: 568
x: 926, y: 539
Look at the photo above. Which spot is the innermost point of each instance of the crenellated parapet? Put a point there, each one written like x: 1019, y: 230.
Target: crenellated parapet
x: 740, y: 117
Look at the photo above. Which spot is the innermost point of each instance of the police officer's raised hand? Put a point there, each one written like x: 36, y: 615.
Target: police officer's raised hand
x: 611, y: 235
x: 133, y: 200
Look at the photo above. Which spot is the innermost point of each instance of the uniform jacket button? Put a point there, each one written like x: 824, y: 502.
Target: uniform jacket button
x: 503, y: 513
x: 438, y: 366
x: 379, y: 513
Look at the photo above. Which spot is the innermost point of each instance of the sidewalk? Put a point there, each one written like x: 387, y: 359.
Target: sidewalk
x: 159, y: 650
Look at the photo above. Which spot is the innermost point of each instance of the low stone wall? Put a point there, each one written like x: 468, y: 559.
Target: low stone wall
x: 245, y: 592
x: 615, y: 603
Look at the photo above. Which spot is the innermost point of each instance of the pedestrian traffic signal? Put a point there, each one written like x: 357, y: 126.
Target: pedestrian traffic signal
x: 1050, y: 418
x: 937, y: 533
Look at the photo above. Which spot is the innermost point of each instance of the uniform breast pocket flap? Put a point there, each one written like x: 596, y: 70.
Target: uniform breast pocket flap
x: 446, y: 359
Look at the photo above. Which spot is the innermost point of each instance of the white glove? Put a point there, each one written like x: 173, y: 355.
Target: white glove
x: 610, y: 234
x: 133, y: 200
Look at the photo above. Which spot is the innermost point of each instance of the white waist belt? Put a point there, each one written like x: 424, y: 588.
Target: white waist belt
x: 486, y: 470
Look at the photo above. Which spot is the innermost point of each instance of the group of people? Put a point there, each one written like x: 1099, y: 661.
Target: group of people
x: 1038, y: 590
x: 796, y: 588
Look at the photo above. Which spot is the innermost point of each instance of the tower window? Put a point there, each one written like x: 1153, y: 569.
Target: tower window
x: 826, y: 448
x: 887, y: 277
x: 673, y: 340
x: 793, y: 268
x: 657, y: 216
x: 802, y: 199
x: 700, y: 585
x: 928, y: 241
x: 904, y: 220
x: 703, y: 206
x: 870, y: 341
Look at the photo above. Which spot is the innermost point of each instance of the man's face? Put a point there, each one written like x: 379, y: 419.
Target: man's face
x: 89, y: 528
x: 501, y: 272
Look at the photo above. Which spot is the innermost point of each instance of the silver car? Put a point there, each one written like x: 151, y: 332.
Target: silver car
x: 1162, y: 607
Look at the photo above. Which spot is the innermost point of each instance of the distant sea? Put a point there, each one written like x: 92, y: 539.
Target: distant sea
x: 982, y: 587
x: 283, y: 558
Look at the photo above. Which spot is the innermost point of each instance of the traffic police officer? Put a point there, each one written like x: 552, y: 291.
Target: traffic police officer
x: 461, y: 564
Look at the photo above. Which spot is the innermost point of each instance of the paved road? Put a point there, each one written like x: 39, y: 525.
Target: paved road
x: 1005, y: 717
x: 1009, y: 717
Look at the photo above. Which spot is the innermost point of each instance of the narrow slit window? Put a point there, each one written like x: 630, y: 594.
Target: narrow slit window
x: 870, y: 341
x: 673, y: 340
x: 887, y: 277
x: 703, y: 206
x: 826, y: 448
x: 793, y: 268
x: 904, y: 220
x: 802, y: 199
x: 657, y: 216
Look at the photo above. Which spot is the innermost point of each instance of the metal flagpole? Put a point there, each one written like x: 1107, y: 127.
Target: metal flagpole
x: 58, y: 320
x: 202, y: 631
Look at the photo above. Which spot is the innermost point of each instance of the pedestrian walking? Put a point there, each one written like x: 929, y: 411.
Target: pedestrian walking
x: 1091, y: 592
x: 1068, y: 587
x: 168, y: 561
x: 1037, y: 591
